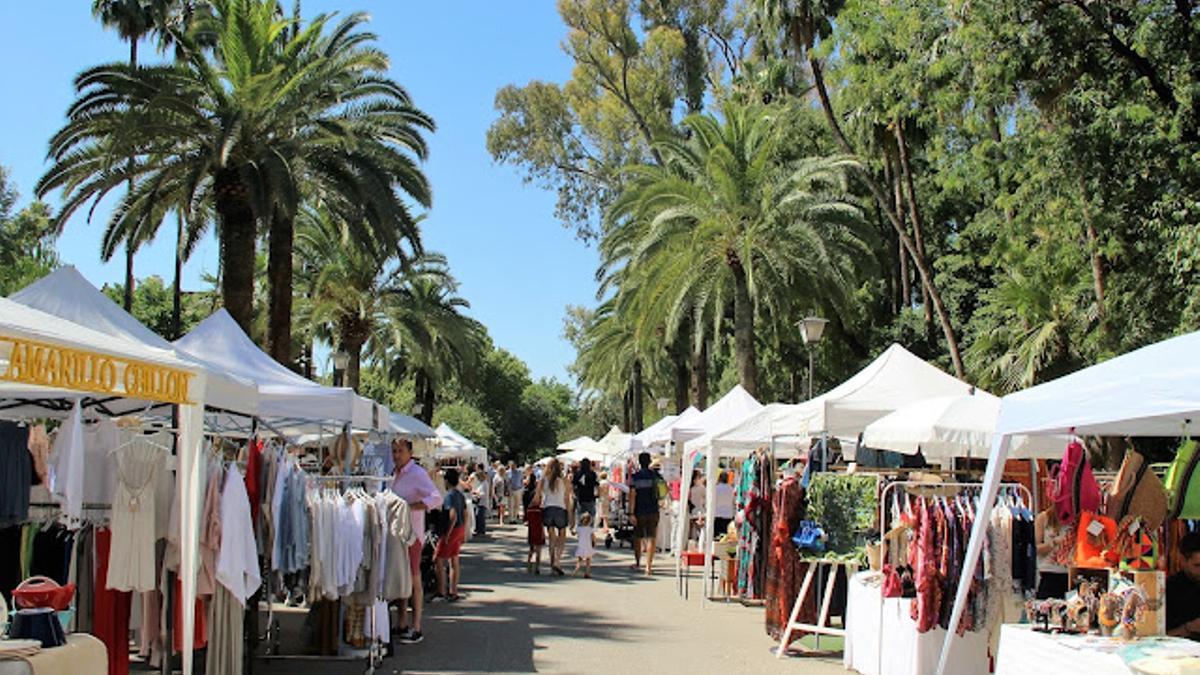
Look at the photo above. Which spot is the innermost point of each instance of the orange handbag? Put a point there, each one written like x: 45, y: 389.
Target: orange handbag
x: 1095, y: 542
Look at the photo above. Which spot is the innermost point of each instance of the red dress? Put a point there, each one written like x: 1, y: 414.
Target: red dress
x: 537, y: 533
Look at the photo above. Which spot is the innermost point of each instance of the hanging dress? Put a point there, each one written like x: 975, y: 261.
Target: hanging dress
x: 131, y: 558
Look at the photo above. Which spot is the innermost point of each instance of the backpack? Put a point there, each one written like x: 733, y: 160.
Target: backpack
x: 1183, y: 482
x: 1075, y: 488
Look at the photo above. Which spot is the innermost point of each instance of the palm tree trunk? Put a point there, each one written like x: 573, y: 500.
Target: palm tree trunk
x: 353, y: 347
x: 637, y: 409
x: 699, y: 389
x: 743, y: 330
x: 428, y: 401
x: 129, y: 244
x: 681, y: 383
x: 237, y: 240
x: 177, y: 290
x: 308, y: 359
x: 625, y: 401
x: 279, y: 291
x: 892, y: 176
x: 923, y: 267
x: 419, y: 393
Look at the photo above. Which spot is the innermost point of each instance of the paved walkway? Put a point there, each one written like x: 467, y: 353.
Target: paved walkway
x: 617, y: 622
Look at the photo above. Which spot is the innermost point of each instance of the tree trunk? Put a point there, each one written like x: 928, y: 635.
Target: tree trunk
x: 914, y: 214
x: 681, y: 383
x: 428, y: 401
x: 130, y: 246
x: 237, y: 240
x: 923, y: 268
x: 353, y: 347
x: 308, y: 359
x: 699, y: 390
x: 637, y: 411
x: 892, y: 176
x: 625, y: 401
x: 177, y: 290
x: 419, y: 393
x: 279, y: 288
x: 1093, y: 243
x: 743, y: 330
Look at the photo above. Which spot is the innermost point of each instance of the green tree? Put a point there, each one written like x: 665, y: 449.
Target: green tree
x: 27, y: 250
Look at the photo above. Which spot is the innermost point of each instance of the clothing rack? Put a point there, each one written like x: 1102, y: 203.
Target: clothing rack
x: 375, y: 652
x: 961, y: 487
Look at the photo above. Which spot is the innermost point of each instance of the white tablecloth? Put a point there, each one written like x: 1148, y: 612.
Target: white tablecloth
x: 1024, y: 651
x: 906, y: 652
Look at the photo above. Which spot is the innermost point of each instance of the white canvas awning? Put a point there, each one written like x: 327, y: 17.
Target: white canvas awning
x: 1148, y: 392
x: 283, y: 395
x: 660, y: 434
x: 65, y: 293
x: 411, y: 427
x: 453, y: 445
x: 784, y: 423
x: 580, y: 443
x: 733, y: 407
x: 946, y: 427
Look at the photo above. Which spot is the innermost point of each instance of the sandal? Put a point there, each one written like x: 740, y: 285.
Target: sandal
x: 453, y: 597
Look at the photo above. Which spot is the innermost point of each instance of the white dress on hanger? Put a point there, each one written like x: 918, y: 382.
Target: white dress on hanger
x: 134, y: 514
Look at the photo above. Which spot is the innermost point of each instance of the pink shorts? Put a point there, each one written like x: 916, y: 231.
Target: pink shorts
x: 414, y: 557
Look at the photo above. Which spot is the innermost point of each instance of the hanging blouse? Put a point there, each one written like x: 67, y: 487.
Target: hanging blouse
x: 237, y: 561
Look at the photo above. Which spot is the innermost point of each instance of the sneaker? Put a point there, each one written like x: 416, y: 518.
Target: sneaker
x: 437, y: 597
x: 409, y: 636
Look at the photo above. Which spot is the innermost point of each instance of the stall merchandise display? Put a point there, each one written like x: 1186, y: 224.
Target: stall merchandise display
x: 753, y: 499
x: 1183, y: 482
x: 785, y: 571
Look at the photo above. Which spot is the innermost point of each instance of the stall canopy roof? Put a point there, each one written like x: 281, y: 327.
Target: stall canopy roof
x: 19, y: 321
x: 643, y: 438
x: 894, y: 379
x: 946, y: 427
x: 662, y: 435
x: 582, y: 443
x: 732, y: 409
x: 1151, y: 391
x: 283, y: 394
x: 407, y: 425
x: 453, y: 444
x: 65, y: 293
x: 780, y: 421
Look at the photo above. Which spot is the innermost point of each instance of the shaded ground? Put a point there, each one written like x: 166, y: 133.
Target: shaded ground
x: 616, y: 622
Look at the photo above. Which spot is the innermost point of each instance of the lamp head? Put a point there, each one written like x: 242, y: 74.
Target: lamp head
x: 812, y: 328
x: 340, y: 360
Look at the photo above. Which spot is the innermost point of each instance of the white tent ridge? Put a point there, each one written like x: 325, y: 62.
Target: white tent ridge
x: 453, y: 445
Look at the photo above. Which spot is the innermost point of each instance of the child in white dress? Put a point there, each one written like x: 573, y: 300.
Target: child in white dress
x: 586, y: 546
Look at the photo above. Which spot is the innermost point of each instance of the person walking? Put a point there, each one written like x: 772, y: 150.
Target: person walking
x: 533, y: 520
x: 446, y: 555
x: 585, y: 484
x: 723, y: 507
x: 481, y: 490
x: 555, y: 498
x: 585, y: 547
x: 412, y: 484
x: 500, y: 492
x: 516, y: 483
x: 645, y: 486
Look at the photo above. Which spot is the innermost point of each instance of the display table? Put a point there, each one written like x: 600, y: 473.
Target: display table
x: 82, y: 655
x: 1024, y: 651
x: 872, y: 626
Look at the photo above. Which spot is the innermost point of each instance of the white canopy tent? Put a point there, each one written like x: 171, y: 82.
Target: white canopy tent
x: 642, y: 438
x: 580, y: 443
x: 410, y: 427
x: 614, y: 443
x: 1148, y: 392
x: 65, y: 293
x: 947, y: 427
x: 46, y: 359
x: 662, y: 435
x: 784, y: 423
x: 453, y: 445
x: 733, y: 408
x: 292, y: 400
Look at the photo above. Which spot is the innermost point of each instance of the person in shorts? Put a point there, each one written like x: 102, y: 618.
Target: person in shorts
x: 555, y: 497
x: 446, y: 555
x: 644, y: 494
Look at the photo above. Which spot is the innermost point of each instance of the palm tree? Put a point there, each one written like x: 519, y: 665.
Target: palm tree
x: 723, y: 223
x: 249, y: 125
x: 133, y: 20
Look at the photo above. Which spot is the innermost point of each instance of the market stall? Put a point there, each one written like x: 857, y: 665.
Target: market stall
x: 53, y: 368
x: 1148, y: 392
x: 452, y: 445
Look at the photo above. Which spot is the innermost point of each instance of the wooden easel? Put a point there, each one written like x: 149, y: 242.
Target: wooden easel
x: 821, y: 627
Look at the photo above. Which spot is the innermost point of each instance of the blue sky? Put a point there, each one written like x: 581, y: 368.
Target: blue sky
x: 518, y: 267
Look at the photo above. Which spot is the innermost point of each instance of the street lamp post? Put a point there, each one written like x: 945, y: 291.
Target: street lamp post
x: 812, y: 328
x: 340, y: 360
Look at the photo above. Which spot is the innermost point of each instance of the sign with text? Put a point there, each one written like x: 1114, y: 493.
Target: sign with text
x: 31, y: 362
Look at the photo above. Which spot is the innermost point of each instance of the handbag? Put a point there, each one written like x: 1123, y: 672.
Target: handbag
x: 1183, y: 482
x: 1096, y: 542
x: 809, y: 537
x: 39, y: 591
x: 1075, y: 487
x: 1138, y: 493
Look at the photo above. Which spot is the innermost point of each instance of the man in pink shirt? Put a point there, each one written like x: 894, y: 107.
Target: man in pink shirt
x: 413, y: 485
